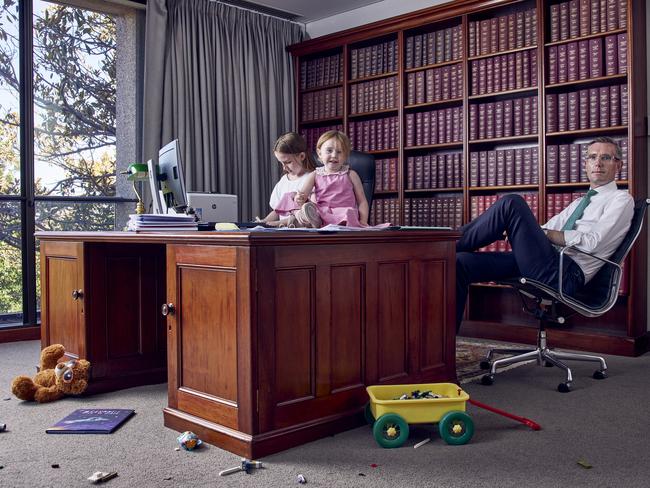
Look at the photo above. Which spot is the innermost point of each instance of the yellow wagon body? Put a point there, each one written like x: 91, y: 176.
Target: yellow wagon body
x: 384, y: 399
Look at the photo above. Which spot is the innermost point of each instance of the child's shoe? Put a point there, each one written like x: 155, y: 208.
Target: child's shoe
x: 308, y: 216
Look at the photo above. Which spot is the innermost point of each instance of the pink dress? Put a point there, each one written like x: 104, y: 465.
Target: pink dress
x: 335, y: 198
x: 286, y: 206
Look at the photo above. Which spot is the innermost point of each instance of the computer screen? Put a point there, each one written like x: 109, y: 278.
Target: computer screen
x: 173, y: 198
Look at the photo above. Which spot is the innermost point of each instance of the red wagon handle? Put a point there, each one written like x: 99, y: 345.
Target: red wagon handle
x: 533, y: 425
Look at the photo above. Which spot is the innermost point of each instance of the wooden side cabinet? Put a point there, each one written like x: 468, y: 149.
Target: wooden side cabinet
x: 101, y: 302
x: 272, y: 345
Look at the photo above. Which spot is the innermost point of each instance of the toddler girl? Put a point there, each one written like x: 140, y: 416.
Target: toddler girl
x: 338, y: 189
x: 291, y: 151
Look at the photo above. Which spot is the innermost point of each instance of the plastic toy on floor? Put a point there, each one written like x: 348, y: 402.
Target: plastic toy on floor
x: 393, y: 407
x: 54, y: 380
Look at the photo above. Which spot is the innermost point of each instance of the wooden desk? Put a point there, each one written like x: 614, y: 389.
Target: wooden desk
x: 271, y: 337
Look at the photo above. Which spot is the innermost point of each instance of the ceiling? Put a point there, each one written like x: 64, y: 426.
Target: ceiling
x: 307, y: 10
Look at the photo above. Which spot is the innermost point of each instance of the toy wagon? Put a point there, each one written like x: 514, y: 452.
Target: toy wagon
x: 390, y: 413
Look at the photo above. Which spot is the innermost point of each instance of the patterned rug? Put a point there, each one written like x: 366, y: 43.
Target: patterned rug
x: 470, y: 352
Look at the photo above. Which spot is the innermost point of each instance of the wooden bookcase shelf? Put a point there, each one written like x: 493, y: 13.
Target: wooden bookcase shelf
x: 500, y: 53
x: 584, y: 38
x: 430, y: 61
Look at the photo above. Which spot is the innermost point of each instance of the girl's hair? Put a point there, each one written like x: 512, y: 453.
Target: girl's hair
x: 294, y: 143
x: 341, y: 138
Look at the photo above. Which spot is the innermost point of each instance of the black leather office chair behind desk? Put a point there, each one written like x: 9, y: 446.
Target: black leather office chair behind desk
x: 364, y: 165
x: 597, y: 297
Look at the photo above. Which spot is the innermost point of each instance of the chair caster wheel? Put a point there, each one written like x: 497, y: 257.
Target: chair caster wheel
x: 600, y: 375
x: 487, y: 379
x: 564, y: 387
x: 485, y: 365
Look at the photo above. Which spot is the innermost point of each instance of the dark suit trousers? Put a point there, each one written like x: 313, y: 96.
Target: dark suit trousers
x: 533, y: 255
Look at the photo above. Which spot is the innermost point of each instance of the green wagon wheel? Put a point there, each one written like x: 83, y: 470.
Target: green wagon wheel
x: 367, y: 413
x: 390, y: 430
x: 456, y: 428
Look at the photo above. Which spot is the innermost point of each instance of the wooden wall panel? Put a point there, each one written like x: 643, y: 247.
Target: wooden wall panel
x: 63, y: 318
x: 123, y: 335
x: 208, y: 333
x: 347, y: 326
x: 432, y: 354
x: 294, y: 335
x: 392, y: 284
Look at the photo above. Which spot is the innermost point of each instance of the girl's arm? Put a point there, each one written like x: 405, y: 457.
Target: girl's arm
x: 307, y: 187
x: 362, y: 203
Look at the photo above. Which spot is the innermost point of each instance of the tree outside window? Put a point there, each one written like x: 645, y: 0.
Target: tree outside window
x: 75, y: 53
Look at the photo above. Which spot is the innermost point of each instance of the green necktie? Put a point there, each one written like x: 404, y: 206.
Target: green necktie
x: 580, y: 209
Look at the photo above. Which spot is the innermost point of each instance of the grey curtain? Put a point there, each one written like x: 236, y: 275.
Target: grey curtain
x: 220, y: 80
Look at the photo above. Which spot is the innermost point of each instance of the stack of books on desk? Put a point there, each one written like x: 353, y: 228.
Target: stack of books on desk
x: 161, y: 222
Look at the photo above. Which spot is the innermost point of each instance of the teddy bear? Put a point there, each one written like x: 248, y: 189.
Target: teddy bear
x: 53, y: 380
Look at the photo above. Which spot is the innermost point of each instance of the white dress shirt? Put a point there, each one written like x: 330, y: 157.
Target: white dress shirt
x: 601, y: 229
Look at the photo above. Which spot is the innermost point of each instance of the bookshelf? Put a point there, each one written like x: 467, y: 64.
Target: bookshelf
x: 464, y: 102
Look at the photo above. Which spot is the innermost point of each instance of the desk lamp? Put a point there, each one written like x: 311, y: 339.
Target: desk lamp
x: 137, y: 172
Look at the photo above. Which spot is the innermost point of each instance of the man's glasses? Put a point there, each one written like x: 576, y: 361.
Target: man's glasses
x: 605, y: 158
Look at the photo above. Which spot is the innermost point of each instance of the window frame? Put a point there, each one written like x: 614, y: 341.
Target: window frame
x: 27, y: 198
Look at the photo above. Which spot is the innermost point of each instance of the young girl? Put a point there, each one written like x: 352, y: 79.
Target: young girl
x: 291, y: 151
x: 338, y: 189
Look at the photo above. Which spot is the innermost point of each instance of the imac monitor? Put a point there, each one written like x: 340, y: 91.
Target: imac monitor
x: 173, y: 198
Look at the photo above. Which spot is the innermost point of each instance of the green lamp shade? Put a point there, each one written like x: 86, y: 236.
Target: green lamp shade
x: 137, y: 172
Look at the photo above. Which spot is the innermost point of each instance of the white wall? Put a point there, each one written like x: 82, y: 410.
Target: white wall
x: 366, y: 15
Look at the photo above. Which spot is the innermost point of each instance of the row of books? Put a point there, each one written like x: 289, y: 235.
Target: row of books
x: 565, y: 163
x: 442, y: 126
x: 556, y: 202
x: 505, y: 118
x: 385, y: 210
x: 435, y: 47
x: 581, y: 60
x: 386, y: 174
x: 440, y: 210
x: 480, y: 203
x: 323, y: 71
x: 323, y: 104
x: 311, y: 135
x: 512, y: 71
x: 434, y: 84
x: 374, y: 95
x: 591, y: 108
x: 503, y: 33
x: 504, y: 167
x: 579, y: 18
x: 430, y: 171
x: 375, y: 134
x: 373, y: 60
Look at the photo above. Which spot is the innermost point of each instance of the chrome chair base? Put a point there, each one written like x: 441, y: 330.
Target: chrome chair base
x: 544, y: 356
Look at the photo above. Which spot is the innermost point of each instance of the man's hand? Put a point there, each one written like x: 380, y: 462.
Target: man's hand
x: 555, y: 236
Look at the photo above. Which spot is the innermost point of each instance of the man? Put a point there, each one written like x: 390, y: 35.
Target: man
x: 596, y: 223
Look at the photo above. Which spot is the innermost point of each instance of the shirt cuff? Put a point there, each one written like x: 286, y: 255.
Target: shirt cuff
x: 572, y: 237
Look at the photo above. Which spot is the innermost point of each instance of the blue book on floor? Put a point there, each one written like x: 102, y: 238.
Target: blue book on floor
x: 91, y: 421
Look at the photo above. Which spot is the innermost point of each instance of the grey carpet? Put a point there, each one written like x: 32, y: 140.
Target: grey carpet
x: 602, y: 422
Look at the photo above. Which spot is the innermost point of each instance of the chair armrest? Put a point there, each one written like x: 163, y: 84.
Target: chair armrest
x: 561, y: 265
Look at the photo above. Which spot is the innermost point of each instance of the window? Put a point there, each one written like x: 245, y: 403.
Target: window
x: 65, y: 60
